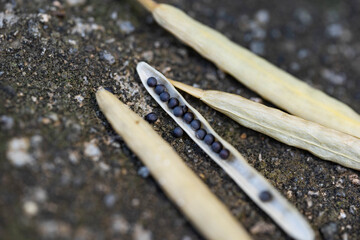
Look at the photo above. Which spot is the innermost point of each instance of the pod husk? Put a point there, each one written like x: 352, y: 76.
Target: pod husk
x: 180, y: 184
x: 272, y: 83
x: 323, y: 142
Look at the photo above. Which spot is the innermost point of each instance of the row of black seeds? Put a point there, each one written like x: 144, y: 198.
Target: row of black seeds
x: 188, y: 117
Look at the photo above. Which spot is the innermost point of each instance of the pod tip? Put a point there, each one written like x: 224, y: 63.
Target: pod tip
x: 150, y: 5
x: 196, y: 92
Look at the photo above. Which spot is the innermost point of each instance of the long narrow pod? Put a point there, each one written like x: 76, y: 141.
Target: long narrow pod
x: 189, y: 193
x: 323, y: 142
x: 253, y: 183
x: 272, y: 83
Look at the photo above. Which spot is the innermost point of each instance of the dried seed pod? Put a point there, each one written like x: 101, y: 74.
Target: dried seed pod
x: 236, y: 166
x: 271, y: 82
x: 323, y: 142
x: 180, y: 184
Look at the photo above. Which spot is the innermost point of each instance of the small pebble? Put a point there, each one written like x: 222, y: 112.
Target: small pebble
x: 159, y: 89
x: 144, y: 172
x: 178, y: 111
x: 151, y: 117
x: 216, y: 147
x: 177, y: 132
x: 195, y: 124
x: 188, y: 117
x: 173, y: 102
x: 200, y: 134
x: 209, y: 139
x: 224, y: 154
x: 164, y: 96
x: 265, y: 196
x: 151, y: 82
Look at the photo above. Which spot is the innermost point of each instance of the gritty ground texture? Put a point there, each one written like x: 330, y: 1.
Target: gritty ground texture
x: 65, y: 174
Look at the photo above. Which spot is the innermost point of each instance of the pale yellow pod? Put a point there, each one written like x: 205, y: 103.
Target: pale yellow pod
x: 323, y: 142
x: 181, y: 185
x: 272, y: 83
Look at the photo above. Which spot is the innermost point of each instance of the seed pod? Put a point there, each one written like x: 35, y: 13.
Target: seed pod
x: 323, y: 142
x: 271, y: 82
x: 180, y: 184
x: 236, y: 166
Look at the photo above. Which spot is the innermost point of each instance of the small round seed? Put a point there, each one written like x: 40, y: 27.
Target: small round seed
x: 216, y: 146
x: 159, y: 89
x: 188, y: 117
x: 173, y: 102
x: 178, y: 111
x: 195, y: 124
x: 151, y: 82
x: 164, y: 96
x: 151, y: 117
x: 224, y: 153
x: 209, y: 139
x: 265, y: 196
x: 177, y: 132
x: 200, y: 134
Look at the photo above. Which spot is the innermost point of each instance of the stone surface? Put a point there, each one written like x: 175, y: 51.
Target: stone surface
x: 65, y: 174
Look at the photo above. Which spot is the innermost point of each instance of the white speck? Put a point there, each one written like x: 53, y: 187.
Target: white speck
x: 85, y: 28
x: 36, y: 141
x: 74, y: 157
x: 335, y: 78
x: 75, y: 2
x: 114, y: 15
x: 312, y: 193
x: 72, y: 42
x: 30, y: 208
x: 120, y: 225
x: 34, y: 99
x: 143, y: 172
x: 8, y: 19
x: 262, y: 16
x: 125, y: 26
x: 6, y: 122
x: 110, y: 200
x: 303, y: 16
x: 135, y: 202
x: 39, y: 195
x: 334, y: 30
x: 342, y: 214
x: 79, y: 98
x: 257, y: 47
x: 44, y: 18
x: 141, y: 234
x: 92, y: 151
x: 108, y: 57
x: 17, y: 152
x: 104, y: 167
x: 256, y: 99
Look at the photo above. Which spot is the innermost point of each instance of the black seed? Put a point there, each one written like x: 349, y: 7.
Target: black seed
x: 178, y: 111
x: 195, y: 124
x: 151, y: 82
x: 200, y: 134
x: 173, y: 102
x: 188, y: 117
x: 209, y: 139
x: 177, y: 132
x: 159, y: 89
x: 265, y: 196
x: 151, y: 117
x: 216, y: 146
x: 224, y: 154
x: 164, y: 96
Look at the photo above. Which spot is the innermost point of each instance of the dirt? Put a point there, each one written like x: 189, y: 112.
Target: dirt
x: 65, y: 174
